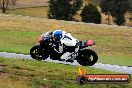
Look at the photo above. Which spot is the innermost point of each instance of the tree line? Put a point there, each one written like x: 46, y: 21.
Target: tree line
x: 90, y: 13
x: 66, y: 9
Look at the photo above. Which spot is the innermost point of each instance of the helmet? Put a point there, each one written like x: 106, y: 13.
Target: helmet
x: 57, y: 34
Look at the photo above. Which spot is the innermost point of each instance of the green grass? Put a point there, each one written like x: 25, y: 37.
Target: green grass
x: 38, y: 74
x: 113, y: 59
x: 18, y: 42
x: 34, y: 11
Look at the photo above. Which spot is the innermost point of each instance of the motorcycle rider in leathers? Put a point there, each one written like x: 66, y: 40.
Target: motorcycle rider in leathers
x: 65, y: 41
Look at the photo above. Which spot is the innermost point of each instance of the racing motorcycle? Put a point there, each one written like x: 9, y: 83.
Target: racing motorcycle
x: 46, y: 48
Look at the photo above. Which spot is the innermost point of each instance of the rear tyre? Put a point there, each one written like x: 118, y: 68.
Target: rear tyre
x: 38, y: 54
x: 87, y: 57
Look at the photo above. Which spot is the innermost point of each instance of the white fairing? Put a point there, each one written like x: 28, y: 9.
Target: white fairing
x: 65, y: 56
x: 70, y: 41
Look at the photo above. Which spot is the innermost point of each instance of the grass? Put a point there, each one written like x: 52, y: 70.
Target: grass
x: 114, y: 43
x: 37, y: 74
x: 16, y: 41
x: 34, y: 11
x: 115, y: 59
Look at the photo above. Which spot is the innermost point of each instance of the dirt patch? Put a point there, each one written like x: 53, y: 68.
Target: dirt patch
x: 3, y: 65
x: 3, y: 75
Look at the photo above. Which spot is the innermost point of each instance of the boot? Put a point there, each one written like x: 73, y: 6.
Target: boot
x: 65, y: 56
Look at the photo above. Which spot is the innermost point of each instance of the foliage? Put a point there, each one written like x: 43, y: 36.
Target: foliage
x: 115, y: 8
x: 63, y: 9
x: 90, y: 14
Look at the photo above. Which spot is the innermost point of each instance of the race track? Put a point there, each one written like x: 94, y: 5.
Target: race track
x: 115, y: 68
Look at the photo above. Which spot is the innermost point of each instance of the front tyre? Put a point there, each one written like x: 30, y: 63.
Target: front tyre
x: 87, y: 57
x: 37, y: 53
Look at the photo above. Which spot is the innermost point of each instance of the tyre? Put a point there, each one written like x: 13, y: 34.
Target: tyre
x: 38, y: 54
x: 87, y: 57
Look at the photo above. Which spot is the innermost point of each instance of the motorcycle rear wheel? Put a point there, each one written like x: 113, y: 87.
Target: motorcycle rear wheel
x: 87, y: 57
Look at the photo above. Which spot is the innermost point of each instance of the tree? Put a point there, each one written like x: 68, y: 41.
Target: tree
x: 106, y: 8
x: 64, y: 9
x: 115, y: 8
x: 4, y: 5
x: 90, y: 14
x: 130, y: 5
x: 121, y: 7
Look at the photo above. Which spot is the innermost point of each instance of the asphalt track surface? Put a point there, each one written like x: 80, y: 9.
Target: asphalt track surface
x: 114, y: 68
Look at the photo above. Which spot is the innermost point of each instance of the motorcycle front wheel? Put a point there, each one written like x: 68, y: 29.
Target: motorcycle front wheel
x: 87, y: 57
x: 37, y: 53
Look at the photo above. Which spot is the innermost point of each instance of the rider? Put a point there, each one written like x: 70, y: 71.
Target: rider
x: 67, y: 43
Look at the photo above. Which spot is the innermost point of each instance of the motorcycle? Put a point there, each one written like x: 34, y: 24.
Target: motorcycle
x: 46, y: 48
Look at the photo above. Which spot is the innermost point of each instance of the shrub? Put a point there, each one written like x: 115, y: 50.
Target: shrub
x: 90, y: 14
